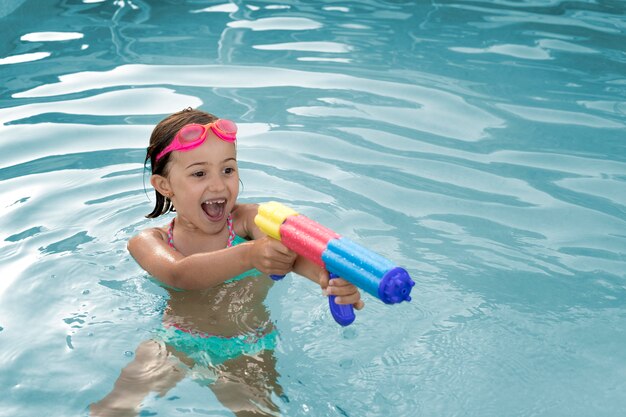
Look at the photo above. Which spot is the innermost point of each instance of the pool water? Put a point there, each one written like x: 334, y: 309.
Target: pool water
x: 479, y: 144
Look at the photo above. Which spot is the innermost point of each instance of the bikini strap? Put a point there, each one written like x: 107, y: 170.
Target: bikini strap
x: 170, y: 234
x: 231, y: 231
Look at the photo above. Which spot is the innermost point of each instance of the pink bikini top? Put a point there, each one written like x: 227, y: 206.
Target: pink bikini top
x: 229, y: 224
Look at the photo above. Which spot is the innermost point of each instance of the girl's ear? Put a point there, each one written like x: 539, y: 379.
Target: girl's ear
x: 162, y: 185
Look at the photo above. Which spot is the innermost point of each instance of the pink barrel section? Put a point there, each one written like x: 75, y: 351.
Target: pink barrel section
x: 306, y: 237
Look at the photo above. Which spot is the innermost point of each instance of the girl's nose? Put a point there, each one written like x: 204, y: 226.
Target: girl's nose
x: 216, y: 184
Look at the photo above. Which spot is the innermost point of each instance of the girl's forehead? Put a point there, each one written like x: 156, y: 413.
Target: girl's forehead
x: 212, y: 151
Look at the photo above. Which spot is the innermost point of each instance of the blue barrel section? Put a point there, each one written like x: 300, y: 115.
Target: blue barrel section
x: 368, y: 270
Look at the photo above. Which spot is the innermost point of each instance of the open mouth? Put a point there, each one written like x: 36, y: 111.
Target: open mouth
x: 214, y: 209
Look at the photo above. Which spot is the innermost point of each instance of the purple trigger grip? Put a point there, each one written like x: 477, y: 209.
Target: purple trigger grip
x: 342, y: 313
x: 277, y: 277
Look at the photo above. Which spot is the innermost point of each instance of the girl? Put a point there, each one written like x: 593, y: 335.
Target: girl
x: 220, y: 332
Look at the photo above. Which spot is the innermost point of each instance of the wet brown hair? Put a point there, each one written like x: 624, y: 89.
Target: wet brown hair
x: 162, y: 135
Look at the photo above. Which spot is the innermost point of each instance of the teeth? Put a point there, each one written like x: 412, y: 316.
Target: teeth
x: 215, y: 202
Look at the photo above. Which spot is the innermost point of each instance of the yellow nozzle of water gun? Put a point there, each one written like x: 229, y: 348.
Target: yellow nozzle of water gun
x: 271, y: 216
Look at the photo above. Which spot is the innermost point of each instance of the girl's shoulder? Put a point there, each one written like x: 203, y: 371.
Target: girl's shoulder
x: 243, y: 219
x: 150, y: 234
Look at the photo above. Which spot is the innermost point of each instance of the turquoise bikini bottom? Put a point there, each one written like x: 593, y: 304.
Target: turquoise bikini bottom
x: 206, y: 349
x: 213, y: 350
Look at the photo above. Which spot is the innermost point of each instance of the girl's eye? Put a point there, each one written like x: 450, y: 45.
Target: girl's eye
x: 229, y: 170
x: 198, y: 174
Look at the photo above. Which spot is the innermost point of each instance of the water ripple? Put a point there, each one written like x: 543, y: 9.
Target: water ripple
x: 478, y: 144
x: 432, y: 104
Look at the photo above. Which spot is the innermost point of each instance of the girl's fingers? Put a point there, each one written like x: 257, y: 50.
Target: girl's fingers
x: 340, y: 282
x: 345, y: 292
x: 323, y: 279
x: 341, y: 290
x: 353, y: 299
x: 281, y: 250
x: 280, y: 268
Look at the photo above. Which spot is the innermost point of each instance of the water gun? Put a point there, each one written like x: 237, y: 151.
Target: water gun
x: 340, y: 256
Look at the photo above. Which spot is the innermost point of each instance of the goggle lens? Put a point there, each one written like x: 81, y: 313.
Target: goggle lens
x: 191, y: 133
x: 227, y: 126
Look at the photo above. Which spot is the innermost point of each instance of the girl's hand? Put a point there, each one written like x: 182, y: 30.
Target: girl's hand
x: 271, y: 257
x: 345, y: 292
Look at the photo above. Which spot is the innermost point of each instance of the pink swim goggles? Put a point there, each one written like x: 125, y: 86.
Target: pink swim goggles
x: 193, y: 135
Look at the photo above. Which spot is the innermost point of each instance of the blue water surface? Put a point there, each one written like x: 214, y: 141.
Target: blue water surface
x: 480, y: 144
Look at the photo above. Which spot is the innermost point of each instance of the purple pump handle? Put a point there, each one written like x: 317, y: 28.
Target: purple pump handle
x: 342, y: 313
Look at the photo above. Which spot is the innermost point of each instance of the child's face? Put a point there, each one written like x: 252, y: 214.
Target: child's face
x: 205, y: 183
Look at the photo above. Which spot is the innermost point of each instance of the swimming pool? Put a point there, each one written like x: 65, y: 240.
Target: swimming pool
x: 478, y: 144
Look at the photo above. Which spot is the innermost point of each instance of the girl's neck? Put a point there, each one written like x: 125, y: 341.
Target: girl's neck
x: 192, y: 240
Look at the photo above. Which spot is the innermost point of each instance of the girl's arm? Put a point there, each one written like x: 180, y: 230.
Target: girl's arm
x: 205, y: 270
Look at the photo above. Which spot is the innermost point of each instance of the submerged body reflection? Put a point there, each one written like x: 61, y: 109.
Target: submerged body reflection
x: 220, y: 337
